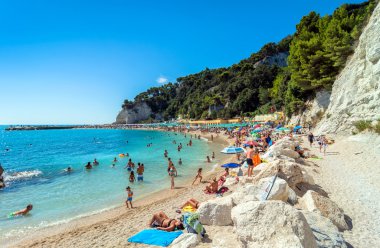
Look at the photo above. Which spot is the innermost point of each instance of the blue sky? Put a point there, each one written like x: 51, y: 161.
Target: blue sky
x: 71, y: 62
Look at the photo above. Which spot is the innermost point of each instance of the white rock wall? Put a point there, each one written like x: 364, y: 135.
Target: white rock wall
x: 129, y: 116
x: 356, y: 92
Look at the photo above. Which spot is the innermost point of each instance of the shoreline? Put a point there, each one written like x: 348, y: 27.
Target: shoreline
x: 80, y: 224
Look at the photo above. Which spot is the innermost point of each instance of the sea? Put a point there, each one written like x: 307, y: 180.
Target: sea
x: 35, y: 162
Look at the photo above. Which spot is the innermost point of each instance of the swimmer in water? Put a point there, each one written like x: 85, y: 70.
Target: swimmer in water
x: 180, y: 161
x: 88, y: 166
x: 132, y: 178
x: 69, y: 169
x: 115, y: 160
x: 23, y: 211
x: 208, y: 159
x: 95, y: 162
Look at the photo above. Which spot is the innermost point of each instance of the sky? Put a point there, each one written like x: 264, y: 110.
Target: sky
x: 74, y: 62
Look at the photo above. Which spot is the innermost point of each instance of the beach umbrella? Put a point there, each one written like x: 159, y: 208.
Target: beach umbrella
x: 232, y: 150
x: 231, y: 165
x: 251, y: 143
x: 297, y: 128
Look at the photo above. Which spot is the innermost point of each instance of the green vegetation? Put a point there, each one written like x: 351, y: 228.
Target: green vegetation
x: 362, y: 125
x: 262, y: 83
x: 376, y: 127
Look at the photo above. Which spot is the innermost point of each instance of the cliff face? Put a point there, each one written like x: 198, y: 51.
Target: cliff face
x: 140, y: 112
x: 356, y: 92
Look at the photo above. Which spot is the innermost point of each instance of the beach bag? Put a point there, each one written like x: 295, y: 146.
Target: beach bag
x: 192, y: 224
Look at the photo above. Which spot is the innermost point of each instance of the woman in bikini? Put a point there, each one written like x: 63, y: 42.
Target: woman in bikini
x: 164, y: 223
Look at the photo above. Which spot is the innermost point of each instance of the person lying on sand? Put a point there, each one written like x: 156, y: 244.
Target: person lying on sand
x: 212, y: 187
x: 164, y: 223
x: 23, y: 211
x: 192, y: 202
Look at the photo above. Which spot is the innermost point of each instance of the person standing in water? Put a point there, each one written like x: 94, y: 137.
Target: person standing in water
x: 172, y: 174
x: 130, y: 195
x: 132, y: 178
x: 88, y: 166
x: 180, y: 161
x: 140, y: 172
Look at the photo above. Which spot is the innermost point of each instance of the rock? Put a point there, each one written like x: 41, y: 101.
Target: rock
x: 139, y: 112
x: 279, y: 190
x: 314, y: 202
x: 260, y: 167
x: 186, y: 240
x: 271, y: 224
x: 291, y: 172
x: 225, y: 239
x: 356, y: 93
x: 245, y: 193
x: 292, y: 197
x: 290, y: 153
x: 230, y: 181
x: 216, y: 211
x: 325, y: 233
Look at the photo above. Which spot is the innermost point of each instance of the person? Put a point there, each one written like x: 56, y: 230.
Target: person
x: 208, y: 159
x: 88, y: 166
x: 180, y: 161
x: 140, y: 172
x: 191, y: 142
x: 127, y: 154
x: 324, y: 145
x: 170, y: 163
x: 166, y: 154
x: 132, y: 178
x: 256, y: 158
x: 212, y: 137
x: 213, y: 155
x: 226, y: 173
x: 164, y: 223
x: 95, y: 162
x: 2, y: 184
x: 192, y: 202
x: 212, y: 187
x: 69, y: 169
x: 129, y: 165
x: 310, y: 137
x: 199, y: 175
x: 250, y: 160
x: 23, y: 211
x: 130, y: 195
x: 172, y: 174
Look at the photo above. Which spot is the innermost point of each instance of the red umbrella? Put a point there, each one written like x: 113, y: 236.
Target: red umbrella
x: 252, y: 143
x: 256, y: 126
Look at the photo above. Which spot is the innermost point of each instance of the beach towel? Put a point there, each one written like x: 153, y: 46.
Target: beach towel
x: 155, y: 237
x: 189, y: 209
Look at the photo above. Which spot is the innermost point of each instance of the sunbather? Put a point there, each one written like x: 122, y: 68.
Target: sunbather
x: 192, y: 202
x: 164, y: 223
x: 212, y: 187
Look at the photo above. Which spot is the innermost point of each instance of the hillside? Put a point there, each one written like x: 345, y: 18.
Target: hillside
x: 280, y: 76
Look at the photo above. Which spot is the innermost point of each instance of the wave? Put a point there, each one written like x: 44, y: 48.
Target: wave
x: 22, y: 175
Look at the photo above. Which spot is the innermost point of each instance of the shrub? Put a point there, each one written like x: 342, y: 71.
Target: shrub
x: 362, y: 125
x: 376, y: 127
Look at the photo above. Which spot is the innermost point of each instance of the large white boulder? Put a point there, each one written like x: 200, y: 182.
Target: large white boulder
x: 245, y: 193
x: 314, y: 202
x: 186, y: 240
x: 291, y: 172
x: 325, y: 233
x: 290, y: 153
x: 271, y: 224
x: 225, y: 239
x: 279, y: 190
x: 216, y: 211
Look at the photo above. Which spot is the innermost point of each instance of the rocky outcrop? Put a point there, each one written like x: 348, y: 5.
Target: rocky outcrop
x: 139, y: 112
x: 216, y: 212
x: 279, y: 189
x: 271, y: 224
x: 186, y: 240
x: 314, y: 202
x: 356, y: 92
x: 314, y: 110
x: 279, y: 59
x: 325, y: 233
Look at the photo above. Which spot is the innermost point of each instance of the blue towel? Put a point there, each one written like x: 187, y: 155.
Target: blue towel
x: 154, y: 237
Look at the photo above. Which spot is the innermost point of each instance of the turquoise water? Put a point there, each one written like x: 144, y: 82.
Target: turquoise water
x: 35, y: 161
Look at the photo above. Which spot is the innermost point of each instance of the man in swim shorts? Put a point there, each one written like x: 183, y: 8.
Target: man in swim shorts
x: 140, y: 172
x: 130, y: 195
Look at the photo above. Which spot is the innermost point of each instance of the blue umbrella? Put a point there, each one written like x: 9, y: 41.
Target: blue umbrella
x: 232, y: 150
x: 296, y: 128
x: 231, y: 165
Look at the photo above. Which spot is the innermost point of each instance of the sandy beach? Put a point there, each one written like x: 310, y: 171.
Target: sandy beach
x: 112, y: 228
x: 350, y: 174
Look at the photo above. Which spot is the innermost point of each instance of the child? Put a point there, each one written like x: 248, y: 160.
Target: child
x: 23, y: 211
x: 199, y: 175
x: 132, y: 178
x: 129, y: 199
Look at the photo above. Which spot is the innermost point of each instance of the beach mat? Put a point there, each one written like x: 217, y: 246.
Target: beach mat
x: 154, y: 237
